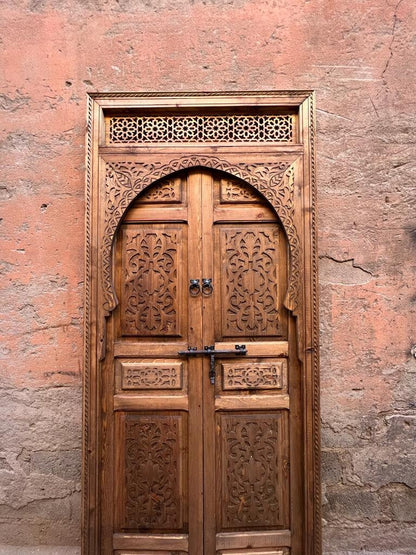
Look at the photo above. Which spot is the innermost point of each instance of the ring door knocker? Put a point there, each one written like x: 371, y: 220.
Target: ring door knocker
x: 207, y: 287
x: 194, y: 287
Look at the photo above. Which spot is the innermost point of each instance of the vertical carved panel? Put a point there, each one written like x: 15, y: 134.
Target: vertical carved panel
x: 153, y: 472
x: 253, y: 454
x: 249, y: 284
x: 150, y: 281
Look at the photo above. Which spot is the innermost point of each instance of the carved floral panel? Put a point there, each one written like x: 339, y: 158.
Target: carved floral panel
x: 153, y: 472
x: 168, y: 191
x: 254, y: 375
x: 144, y: 375
x: 150, y: 282
x: 252, y: 455
x: 249, y: 285
x: 233, y: 191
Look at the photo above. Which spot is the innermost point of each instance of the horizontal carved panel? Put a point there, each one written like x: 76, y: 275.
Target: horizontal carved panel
x: 232, y: 190
x: 253, y: 449
x: 183, y: 129
x: 144, y: 375
x: 141, y: 552
x: 153, y: 471
x: 254, y: 375
x: 254, y: 552
x: 151, y: 261
x: 249, y: 280
x: 168, y: 191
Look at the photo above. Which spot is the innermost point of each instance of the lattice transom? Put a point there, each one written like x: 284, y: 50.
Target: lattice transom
x: 218, y: 129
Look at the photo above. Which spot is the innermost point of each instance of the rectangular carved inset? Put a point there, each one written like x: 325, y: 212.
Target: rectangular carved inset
x: 201, y: 129
x: 254, y: 470
x: 232, y: 190
x: 254, y: 375
x: 154, y: 472
x: 249, y: 282
x: 151, y: 262
x: 264, y: 551
x: 167, y: 191
x: 145, y: 375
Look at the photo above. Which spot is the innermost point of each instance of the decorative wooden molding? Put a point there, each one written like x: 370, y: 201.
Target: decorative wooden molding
x: 125, y: 180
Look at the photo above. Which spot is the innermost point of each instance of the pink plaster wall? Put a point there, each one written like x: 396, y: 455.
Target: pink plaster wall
x: 359, y: 56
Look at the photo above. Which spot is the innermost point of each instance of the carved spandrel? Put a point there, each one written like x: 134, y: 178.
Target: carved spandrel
x: 249, y: 284
x: 168, y: 191
x: 255, y: 375
x: 233, y: 191
x: 252, y: 470
x: 153, y: 467
x: 150, y: 281
x: 143, y: 375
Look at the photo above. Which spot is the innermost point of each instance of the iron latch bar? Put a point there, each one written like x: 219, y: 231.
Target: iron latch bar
x: 209, y: 350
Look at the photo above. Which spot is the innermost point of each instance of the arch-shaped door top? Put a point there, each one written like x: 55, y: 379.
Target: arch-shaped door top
x: 124, y: 181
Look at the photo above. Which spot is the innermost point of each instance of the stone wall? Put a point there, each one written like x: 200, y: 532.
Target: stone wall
x: 359, y: 56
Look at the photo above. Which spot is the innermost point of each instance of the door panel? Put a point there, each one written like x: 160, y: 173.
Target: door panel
x: 157, y: 485
x: 153, y: 287
x: 252, y: 453
x: 247, y: 264
x: 151, y: 450
x: 201, y: 468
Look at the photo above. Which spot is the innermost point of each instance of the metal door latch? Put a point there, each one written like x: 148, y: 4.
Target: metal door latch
x: 240, y: 350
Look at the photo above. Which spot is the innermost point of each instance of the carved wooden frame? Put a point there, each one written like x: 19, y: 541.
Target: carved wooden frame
x: 274, y: 179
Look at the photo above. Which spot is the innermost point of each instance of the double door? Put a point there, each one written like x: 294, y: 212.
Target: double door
x: 201, y: 427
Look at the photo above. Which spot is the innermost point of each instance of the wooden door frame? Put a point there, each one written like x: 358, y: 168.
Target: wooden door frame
x: 164, y: 159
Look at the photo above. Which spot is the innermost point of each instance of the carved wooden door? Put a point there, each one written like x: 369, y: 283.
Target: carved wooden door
x: 201, y: 452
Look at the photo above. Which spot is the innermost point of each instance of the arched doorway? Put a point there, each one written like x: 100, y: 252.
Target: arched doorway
x: 201, y: 384
x: 201, y: 381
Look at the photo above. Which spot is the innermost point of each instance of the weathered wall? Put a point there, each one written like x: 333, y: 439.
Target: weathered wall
x: 359, y: 56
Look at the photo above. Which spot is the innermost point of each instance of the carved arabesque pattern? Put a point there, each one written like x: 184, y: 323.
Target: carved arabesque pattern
x: 180, y: 129
x: 149, y: 299
x: 125, y: 180
x: 233, y: 191
x: 168, y: 191
x: 250, y: 471
x: 260, y: 375
x: 152, y: 467
x: 151, y: 376
x: 249, y: 287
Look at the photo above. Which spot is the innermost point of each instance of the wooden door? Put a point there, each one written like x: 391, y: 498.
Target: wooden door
x: 191, y: 466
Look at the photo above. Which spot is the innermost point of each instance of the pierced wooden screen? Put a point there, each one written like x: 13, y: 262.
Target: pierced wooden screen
x: 206, y: 129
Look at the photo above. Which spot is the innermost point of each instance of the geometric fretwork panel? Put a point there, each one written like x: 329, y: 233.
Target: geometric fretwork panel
x: 218, y: 129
